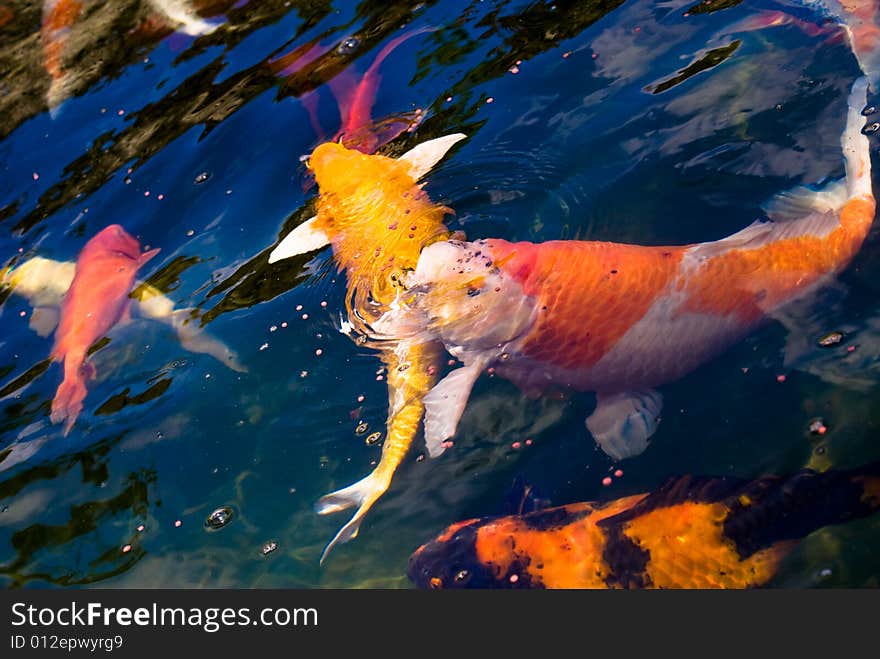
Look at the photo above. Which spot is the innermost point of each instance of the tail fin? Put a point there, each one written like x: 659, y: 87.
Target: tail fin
x: 68, y: 401
x: 363, y: 494
x: 855, y: 145
x: 790, y: 508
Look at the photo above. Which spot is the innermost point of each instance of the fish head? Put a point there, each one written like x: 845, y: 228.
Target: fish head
x: 377, y: 219
x: 450, y: 560
x: 465, y: 297
x: 116, y: 240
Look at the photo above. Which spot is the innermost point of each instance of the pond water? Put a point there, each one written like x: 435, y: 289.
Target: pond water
x: 645, y: 122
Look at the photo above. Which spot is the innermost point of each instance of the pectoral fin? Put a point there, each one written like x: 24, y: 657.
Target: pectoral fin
x: 303, y: 239
x: 195, y: 339
x: 445, y: 404
x: 623, y: 423
x: 44, y: 320
x: 422, y: 158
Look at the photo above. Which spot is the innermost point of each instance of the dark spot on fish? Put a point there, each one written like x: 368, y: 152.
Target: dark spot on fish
x: 627, y: 561
x: 553, y: 518
x: 614, y: 272
x: 473, y: 292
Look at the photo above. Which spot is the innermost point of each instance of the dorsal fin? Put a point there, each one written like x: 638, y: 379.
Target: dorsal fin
x: 804, y: 200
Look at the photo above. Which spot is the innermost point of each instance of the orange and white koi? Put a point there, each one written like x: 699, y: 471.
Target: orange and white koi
x: 692, y: 532
x: 96, y: 300
x: 374, y: 214
x: 619, y: 319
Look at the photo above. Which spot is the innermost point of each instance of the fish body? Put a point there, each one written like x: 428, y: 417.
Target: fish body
x: 621, y: 319
x: 693, y: 532
x: 96, y: 300
x: 375, y: 215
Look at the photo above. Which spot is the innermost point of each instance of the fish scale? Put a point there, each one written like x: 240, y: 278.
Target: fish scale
x: 588, y: 294
x: 689, y: 533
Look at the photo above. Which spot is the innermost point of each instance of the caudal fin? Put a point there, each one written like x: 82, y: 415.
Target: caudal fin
x: 68, y: 402
x: 363, y: 494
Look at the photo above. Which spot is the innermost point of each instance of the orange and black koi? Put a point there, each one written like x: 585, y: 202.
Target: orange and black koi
x: 694, y: 532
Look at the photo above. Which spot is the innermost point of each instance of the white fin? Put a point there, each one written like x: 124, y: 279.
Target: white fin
x: 623, y: 423
x: 445, y: 404
x: 856, y: 149
x: 363, y: 494
x: 422, y: 158
x: 303, y: 239
x: 195, y: 339
x: 44, y: 320
x: 797, y: 203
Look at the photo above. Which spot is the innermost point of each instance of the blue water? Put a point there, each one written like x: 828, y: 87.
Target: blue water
x: 574, y: 144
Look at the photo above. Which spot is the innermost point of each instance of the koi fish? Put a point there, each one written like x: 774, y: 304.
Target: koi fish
x: 378, y: 220
x: 355, y: 101
x: 860, y: 20
x: 358, y: 130
x: 693, y: 532
x: 96, y: 300
x: 58, y: 17
x: 44, y: 283
x: 619, y: 319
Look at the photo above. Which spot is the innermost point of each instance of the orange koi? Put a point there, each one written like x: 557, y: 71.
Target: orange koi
x: 693, y: 532
x: 96, y: 300
x: 620, y: 320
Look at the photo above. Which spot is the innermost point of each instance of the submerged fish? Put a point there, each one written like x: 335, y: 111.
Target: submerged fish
x: 691, y: 533
x: 58, y: 17
x: 44, y: 283
x: 861, y: 22
x: 359, y: 131
x: 69, y: 29
x: 377, y: 218
x: 621, y: 319
x: 355, y: 98
x: 96, y: 300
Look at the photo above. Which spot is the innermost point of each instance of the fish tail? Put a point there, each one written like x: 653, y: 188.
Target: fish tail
x: 363, y: 494
x: 69, y: 397
x: 772, y: 510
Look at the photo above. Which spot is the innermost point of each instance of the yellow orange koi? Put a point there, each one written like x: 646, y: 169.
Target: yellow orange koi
x: 378, y: 220
x: 693, y: 532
